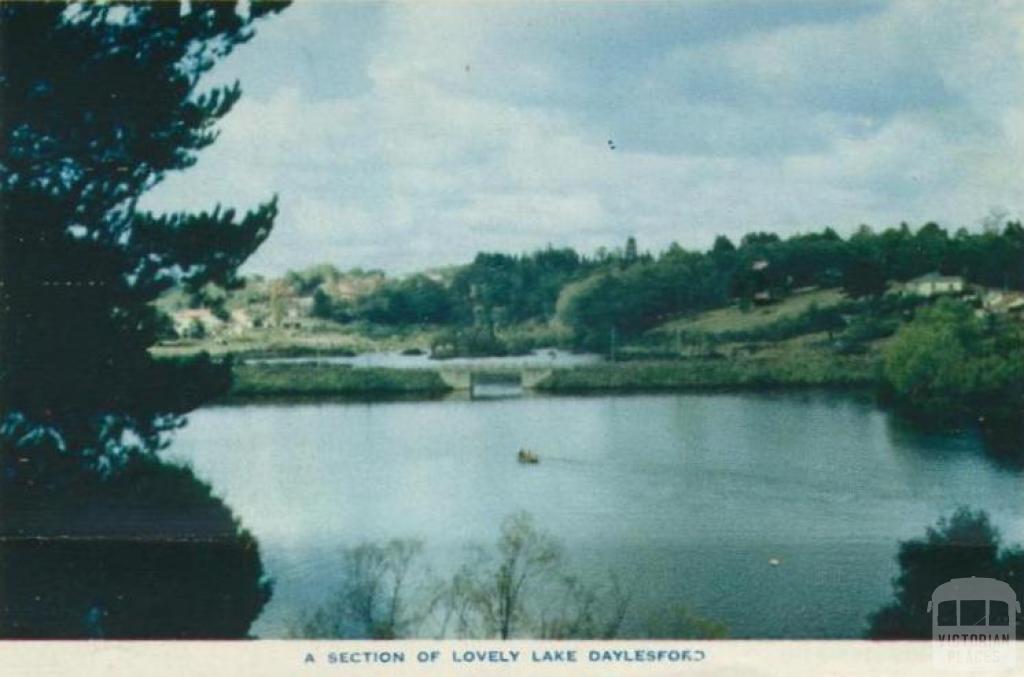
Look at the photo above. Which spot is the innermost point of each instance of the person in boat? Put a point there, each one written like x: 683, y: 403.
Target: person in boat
x: 526, y: 456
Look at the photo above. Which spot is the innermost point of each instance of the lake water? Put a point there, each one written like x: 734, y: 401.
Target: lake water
x: 686, y: 497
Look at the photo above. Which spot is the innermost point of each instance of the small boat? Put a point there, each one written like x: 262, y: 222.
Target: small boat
x: 775, y: 561
x: 527, y: 456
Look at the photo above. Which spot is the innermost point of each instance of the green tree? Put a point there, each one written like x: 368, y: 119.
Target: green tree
x: 377, y: 596
x: 108, y: 556
x: 323, y: 305
x: 100, y: 102
x: 864, y: 276
x: 630, y: 255
x: 723, y: 245
x: 948, y: 366
x: 523, y: 589
x: 631, y: 301
x: 304, y: 282
x: 962, y: 545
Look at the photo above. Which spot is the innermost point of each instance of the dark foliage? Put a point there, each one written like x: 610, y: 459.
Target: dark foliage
x: 948, y: 368
x: 503, y: 289
x: 414, y: 300
x: 765, y: 266
x: 146, y: 553
x: 963, y: 545
x: 624, y: 293
x: 100, y: 101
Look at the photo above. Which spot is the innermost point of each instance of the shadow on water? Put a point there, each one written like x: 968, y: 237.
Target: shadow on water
x: 145, y: 553
x: 925, y: 440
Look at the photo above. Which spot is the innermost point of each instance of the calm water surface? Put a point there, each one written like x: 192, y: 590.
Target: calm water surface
x: 685, y: 497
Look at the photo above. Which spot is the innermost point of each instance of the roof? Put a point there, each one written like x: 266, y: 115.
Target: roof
x: 935, y: 277
x: 197, y: 313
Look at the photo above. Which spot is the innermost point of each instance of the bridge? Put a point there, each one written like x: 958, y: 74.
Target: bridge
x: 469, y: 378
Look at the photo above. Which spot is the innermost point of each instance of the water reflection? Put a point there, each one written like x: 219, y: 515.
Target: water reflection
x: 693, y: 494
x: 522, y: 587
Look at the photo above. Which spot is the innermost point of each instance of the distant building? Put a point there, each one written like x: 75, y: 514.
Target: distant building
x: 760, y: 264
x: 934, y: 284
x: 185, y: 321
x: 242, y: 319
x: 240, y: 322
x: 434, y: 276
x: 1004, y: 302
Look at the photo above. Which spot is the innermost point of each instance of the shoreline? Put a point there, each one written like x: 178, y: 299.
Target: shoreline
x: 313, y: 382
x: 259, y: 381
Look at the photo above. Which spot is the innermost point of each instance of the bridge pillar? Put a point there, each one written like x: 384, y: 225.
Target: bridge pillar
x: 531, y: 378
x: 457, y: 379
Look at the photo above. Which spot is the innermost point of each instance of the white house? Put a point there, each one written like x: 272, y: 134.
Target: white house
x: 934, y: 284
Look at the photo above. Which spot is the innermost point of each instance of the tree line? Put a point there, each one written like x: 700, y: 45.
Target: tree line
x: 628, y: 292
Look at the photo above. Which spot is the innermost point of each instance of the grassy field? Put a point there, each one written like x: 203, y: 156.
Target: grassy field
x: 795, y: 370
x: 734, y: 319
x: 320, y: 380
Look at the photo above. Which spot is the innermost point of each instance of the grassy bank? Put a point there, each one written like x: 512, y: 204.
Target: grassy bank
x: 321, y: 380
x: 318, y: 338
x: 255, y: 381
x: 803, y: 372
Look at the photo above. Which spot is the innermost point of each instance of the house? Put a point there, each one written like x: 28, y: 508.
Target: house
x: 934, y: 284
x: 240, y: 322
x: 1004, y: 303
x: 192, y: 320
x: 242, y: 319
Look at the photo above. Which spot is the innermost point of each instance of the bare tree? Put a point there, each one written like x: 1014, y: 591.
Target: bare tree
x: 582, y: 611
x: 520, y: 588
x: 523, y: 589
x: 376, y: 599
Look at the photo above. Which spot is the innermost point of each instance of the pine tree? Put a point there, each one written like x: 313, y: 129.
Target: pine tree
x: 100, y: 102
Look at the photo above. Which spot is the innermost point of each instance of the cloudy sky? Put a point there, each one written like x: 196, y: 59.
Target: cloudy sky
x: 404, y: 136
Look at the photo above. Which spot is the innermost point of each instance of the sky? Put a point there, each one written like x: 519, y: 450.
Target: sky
x: 405, y: 136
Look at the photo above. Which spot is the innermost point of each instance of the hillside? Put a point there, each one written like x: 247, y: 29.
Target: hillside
x: 734, y: 319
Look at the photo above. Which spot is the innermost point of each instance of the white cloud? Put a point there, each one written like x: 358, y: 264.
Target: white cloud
x: 791, y: 121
